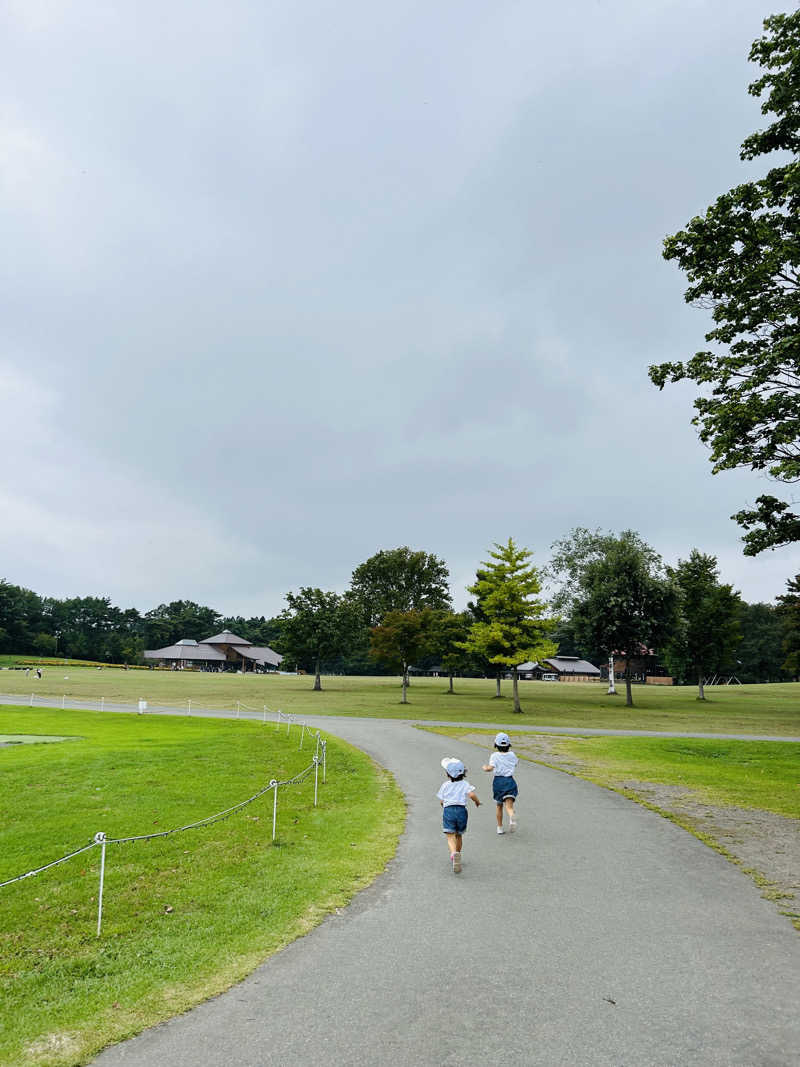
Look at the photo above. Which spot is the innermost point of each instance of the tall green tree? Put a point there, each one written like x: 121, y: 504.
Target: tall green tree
x: 399, y: 579
x: 712, y: 611
x: 514, y: 627
x: 21, y: 618
x: 759, y: 656
x: 316, y: 627
x: 742, y: 260
x: 617, y: 593
x: 789, y: 611
x: 180, y: 618
x: 449, y: 634
x: 400, y: 639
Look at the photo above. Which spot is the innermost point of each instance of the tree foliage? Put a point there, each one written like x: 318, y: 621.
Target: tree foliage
x: 399, y: 579
x: 742, y: 261
x: 448, y: 638
x: 400, y: 638
x: 513, y: 627
x: 316, y: 627
x: 712, y: 614
x: 618, y: 594
x: 789, y: 611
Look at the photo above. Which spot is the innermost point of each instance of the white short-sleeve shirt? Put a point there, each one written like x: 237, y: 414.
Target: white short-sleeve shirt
x: 503, y: 763
x: 455, y: 792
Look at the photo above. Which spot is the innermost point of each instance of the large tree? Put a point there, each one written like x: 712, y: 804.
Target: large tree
x: 712, y: 612
x: 759, y: 656
x: 400, y: 639
x: 316, y: 627
x: 742, y: 261
x: 789, y: 612
x: 399, y: 579
x: 617, y: 593
x: 514, y: 627
x: 448, y: 637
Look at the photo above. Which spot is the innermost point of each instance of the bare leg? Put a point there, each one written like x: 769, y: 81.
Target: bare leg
x: 459, y: 840
x: 509, y: 806
x: 451, y: 842
x: 500, y: 815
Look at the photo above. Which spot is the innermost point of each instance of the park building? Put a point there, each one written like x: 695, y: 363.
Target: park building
x: 560, y: 669
x: 222, y: 652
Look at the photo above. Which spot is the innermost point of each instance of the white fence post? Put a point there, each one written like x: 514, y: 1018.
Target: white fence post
x: 324, y: 761
x: 100, y: 839
x: 274, y: 784
x: 30, y: 703
x: 63, y: 702
x: 316, y: 777
x: 302, y: 735
x: 237, y: 709
x: 190, y: 707
x: 288, y: 723
x: 102, y: 703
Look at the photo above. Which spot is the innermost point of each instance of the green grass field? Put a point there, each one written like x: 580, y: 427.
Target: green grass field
x: 763, y: 775
x: 184, y: 916
x: 749, y: 709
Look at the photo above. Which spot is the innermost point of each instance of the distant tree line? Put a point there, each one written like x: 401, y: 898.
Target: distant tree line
x: 608, y: 593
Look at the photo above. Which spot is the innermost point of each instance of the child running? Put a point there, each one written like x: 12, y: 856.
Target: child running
x: 503, y: 762
x: 453, y: 798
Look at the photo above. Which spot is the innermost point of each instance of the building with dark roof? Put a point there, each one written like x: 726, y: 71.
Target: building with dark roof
x: 221, y: 652
x: 560, y: 669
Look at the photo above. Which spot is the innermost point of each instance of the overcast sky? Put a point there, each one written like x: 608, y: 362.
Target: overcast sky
x: 287, y: 283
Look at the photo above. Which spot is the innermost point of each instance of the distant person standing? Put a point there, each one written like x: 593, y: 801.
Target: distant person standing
x: 504, y: 786
x: 38, y: 672
x: 453, y: 797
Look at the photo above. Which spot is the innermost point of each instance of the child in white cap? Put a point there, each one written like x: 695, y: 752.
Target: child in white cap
x: 503, y: 762
x: 453, y: 797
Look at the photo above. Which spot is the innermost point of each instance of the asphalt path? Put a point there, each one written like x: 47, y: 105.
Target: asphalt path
x: 598, y: 934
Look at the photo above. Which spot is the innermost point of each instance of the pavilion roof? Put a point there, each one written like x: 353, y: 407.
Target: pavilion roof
x: 185, y: 651
x: 261, y: 655
x: 225, y: 638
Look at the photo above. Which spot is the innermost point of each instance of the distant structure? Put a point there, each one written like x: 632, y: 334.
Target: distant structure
x: 560, y: 669
x: 216, y: 654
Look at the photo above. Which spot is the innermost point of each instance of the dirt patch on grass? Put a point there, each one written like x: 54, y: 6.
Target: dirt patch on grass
x: 765, y: 845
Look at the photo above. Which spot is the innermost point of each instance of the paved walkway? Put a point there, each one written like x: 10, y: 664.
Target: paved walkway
x: 598, y: 934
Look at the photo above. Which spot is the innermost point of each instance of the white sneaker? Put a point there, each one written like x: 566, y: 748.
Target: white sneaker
x: 500, y: 830
x: 456, y: 863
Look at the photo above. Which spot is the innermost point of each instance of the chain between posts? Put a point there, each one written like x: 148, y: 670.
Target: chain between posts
x: 102, y: 839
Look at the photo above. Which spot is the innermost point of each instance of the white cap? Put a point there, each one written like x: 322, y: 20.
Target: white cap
x: 453, y: 766
x: 502, y: 739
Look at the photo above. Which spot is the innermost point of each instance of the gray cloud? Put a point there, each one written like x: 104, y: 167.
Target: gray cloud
x: 284, y: 285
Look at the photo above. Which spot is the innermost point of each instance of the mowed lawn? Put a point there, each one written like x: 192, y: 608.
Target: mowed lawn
x: 184, y: 916
x: 763, y: 775
x: 748, y: 709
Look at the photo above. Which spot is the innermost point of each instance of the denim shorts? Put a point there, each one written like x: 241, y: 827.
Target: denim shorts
x: 504, y: 786
x: 454, y: 819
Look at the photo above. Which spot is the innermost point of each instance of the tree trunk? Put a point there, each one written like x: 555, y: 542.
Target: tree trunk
x: 628, y: 692
x: 450, y: 690
x: 498, y: 694
x: 317, y: 679
x: 515, y: 680
x: 405, y: 684
x: 700, y: 687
